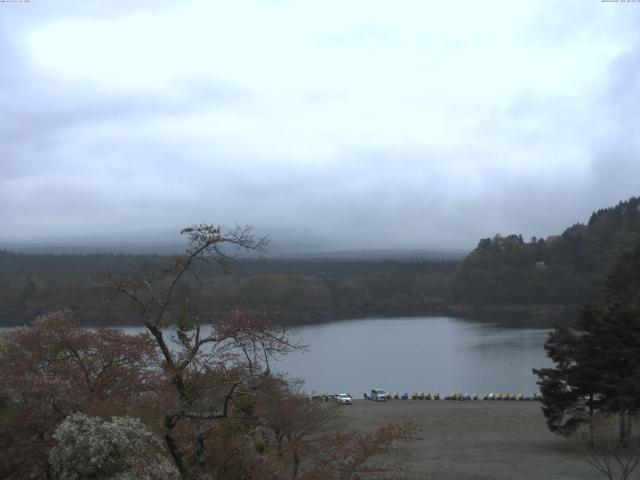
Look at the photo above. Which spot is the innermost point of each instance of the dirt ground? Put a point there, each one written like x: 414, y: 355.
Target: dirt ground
x: 477, y: 440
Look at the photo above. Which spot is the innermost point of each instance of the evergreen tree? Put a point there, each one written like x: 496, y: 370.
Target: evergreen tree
x: 570, y: 391
x: 597, y: 363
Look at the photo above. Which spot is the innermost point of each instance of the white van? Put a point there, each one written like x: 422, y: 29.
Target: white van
x: 378, y: 395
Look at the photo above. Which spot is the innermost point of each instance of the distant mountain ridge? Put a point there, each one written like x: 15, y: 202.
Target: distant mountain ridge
x: 503, y: 275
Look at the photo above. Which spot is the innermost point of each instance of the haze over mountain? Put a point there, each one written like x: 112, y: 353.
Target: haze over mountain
x: 282, y: 243
x: 330, y: 127
x: 535, y: 279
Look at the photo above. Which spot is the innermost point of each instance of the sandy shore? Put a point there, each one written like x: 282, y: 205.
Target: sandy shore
x: 477, y: 440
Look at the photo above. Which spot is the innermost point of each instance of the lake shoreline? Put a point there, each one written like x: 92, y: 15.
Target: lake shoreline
x: 437, y: 354
x: 526, y: 316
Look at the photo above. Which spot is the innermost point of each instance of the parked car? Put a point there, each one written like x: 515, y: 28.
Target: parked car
x: 343, y: 399
x: 378, y: 395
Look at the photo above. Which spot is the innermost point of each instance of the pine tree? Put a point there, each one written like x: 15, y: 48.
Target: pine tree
x: 597, y: 362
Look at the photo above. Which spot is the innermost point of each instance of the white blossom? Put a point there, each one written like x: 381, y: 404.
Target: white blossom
x: 120, y: 449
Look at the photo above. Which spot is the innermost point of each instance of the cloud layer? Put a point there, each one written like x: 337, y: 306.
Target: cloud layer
x: 364, y: 124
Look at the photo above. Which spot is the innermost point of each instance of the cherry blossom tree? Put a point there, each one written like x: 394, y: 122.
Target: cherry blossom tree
x: 54, y: 368
x: 122, y: 448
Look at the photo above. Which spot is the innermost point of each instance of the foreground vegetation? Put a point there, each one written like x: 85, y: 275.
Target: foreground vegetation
x: 598, y: 359
x: 80, y: 404
x: 596, y: 376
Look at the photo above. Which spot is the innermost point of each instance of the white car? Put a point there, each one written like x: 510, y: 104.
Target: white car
x: 378, y: 395
x: 343, y: 399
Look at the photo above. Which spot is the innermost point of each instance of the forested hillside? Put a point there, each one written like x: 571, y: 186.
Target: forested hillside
x: 297, y: 290
x: 501, y: 273
x: 569, y: 268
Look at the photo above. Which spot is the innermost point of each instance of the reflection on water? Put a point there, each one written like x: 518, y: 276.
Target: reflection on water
x: 428, y: 354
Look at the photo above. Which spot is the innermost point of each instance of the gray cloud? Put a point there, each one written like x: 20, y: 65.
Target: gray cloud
x: 365, y: 159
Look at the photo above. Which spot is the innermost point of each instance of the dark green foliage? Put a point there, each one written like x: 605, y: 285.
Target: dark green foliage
x: 597, y: 363
x: 617, y: 325
x: 296, y: 289
x: 570, y: 268
x: 571, y: 392
x: 623, y: 286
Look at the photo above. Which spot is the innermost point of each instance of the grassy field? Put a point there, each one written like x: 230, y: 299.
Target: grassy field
x: 477, y: 440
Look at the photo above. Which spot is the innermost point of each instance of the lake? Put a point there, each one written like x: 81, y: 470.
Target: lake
x: 406, y: 354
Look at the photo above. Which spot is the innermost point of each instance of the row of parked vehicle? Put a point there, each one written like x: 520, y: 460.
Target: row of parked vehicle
x: 340, y: 398
x: 381, y: 396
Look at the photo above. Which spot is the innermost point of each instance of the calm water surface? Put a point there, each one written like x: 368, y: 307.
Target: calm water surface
x: 429, y: 354
x: 418, y: 354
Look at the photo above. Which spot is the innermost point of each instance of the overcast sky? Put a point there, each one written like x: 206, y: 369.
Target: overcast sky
x: 357, y: 124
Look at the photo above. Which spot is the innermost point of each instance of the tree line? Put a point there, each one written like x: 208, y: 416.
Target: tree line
x: 567, y: 269
x: 297, y: 290
x: 570, y: 268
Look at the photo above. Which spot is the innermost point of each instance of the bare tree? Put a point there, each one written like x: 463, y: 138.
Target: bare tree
x: 616, y: 460
x: 212, y: 374
x: 294, y: 420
